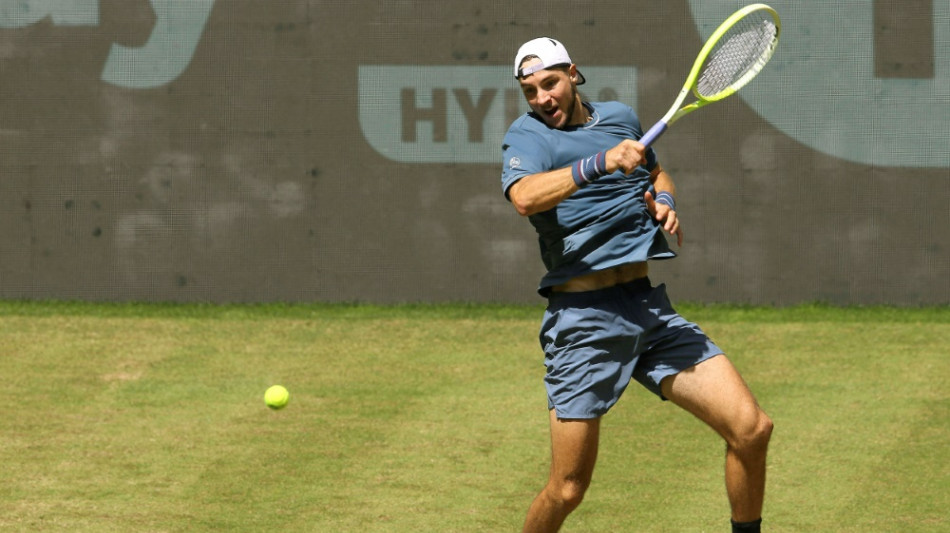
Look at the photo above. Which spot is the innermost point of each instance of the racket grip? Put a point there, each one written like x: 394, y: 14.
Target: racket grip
x: 653, y: 134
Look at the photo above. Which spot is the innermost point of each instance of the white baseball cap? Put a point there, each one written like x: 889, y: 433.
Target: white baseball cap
x: 551, y: 53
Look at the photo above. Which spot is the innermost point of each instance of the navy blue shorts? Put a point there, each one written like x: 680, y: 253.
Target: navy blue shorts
x: 594, y: 342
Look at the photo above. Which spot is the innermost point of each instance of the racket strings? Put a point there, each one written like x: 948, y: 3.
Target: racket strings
x: 744, y: 49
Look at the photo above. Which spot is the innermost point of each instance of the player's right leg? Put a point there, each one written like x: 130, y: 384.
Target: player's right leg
x: 573, y: 455
x: 714, y: 392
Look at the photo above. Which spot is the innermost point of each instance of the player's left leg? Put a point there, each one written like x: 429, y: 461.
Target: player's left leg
x: 573, y: 455
x: 715, y: 393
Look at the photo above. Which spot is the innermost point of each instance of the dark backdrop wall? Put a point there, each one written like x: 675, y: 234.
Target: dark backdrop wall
x: 305, y: 150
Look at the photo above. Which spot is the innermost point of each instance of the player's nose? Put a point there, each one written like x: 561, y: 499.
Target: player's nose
x: 543, y: 97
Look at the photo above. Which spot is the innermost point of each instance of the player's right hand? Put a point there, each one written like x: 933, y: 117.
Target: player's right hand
x: 626, y: 156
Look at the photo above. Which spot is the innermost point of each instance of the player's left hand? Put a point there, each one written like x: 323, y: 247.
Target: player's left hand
x: 666, y: 216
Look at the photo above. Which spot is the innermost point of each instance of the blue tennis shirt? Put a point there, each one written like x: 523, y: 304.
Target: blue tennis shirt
x: 603, y: 225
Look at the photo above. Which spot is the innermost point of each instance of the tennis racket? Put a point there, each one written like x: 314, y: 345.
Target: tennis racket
x: 731, y: 57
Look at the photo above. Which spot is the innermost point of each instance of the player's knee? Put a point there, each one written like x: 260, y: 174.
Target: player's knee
x: 570, y: 493
x: 754, y: 433
x: 763, y: 430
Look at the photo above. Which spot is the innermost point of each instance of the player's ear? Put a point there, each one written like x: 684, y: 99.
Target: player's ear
x: 573, y: 72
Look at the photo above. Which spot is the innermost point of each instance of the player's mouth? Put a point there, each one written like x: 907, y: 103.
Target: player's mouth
x: 552, y: 115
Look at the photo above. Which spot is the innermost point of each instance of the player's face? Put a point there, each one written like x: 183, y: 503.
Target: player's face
x: 552, y: 95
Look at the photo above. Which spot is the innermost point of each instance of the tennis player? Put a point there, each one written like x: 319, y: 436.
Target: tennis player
x: 600, y: 203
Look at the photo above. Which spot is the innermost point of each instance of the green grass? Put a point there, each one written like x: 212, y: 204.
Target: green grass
x: 133, y: 417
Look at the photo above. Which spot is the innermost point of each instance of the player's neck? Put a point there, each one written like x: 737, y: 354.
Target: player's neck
x: 581, y: 115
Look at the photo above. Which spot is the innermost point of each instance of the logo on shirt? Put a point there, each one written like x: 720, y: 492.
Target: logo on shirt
x: 514, y: 162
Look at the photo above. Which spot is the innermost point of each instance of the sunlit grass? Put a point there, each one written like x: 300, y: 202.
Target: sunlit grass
x: 135, y: 417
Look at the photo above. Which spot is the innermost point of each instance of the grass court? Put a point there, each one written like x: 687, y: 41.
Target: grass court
x: 135, y: 417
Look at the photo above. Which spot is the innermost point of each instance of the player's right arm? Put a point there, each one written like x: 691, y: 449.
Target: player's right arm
x: 539, y: 192
x: 542, y: 191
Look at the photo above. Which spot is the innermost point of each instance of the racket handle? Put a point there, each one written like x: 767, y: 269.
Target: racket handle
x: 653, y: 134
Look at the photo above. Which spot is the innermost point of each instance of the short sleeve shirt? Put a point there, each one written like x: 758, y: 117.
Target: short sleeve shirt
x: 601, y: 226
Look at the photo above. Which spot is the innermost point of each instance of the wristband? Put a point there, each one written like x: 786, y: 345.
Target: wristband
x: 666, y: 199
x: 588, y: 169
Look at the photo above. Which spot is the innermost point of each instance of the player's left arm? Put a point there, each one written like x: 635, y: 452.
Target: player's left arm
x: 662, y: 202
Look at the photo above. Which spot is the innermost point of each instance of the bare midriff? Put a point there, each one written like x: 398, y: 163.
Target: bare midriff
x: 604, y: 278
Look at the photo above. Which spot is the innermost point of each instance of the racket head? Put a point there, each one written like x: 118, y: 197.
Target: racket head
x: 735, y: 53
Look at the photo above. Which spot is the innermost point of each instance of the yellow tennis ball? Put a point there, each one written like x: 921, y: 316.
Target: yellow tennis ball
x: 276, y: 397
